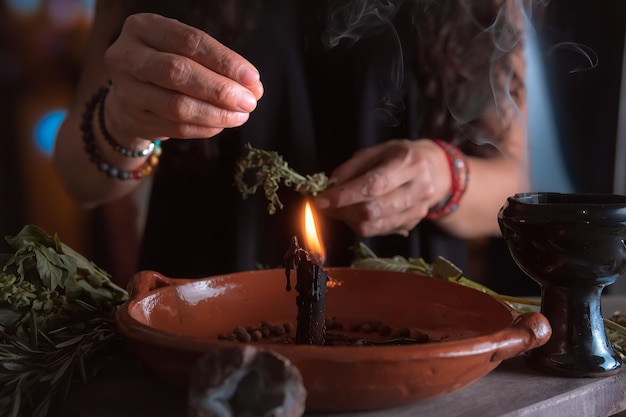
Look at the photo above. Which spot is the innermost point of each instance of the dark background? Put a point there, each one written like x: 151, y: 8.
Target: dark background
x: 41, y: 48
x: 584, y: 102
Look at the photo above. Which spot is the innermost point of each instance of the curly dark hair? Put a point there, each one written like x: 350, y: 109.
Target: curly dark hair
x: 464, y: 50
x: 467, y: 68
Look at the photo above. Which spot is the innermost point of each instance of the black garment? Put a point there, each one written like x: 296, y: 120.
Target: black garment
x: 320, y: 106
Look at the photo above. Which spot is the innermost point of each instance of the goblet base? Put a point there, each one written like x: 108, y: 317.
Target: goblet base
x: 574, y: 366
x: 578, y: 345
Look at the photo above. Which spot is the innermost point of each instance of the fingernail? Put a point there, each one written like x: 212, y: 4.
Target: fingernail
x: 246, y: 101
x: 321, y: 203
x: 248, y: 76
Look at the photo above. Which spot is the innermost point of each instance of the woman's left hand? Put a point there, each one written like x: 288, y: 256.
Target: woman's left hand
x: 388, y: 188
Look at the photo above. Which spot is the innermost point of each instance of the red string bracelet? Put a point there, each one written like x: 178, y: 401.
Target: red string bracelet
x: 459, y: 174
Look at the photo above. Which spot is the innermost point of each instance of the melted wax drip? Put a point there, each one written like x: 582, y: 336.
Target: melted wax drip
x: 311, y: 299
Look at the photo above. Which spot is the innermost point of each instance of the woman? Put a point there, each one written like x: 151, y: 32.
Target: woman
x: 357, y: 88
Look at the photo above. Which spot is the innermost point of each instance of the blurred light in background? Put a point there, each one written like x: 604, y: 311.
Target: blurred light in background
x: 547, y: 166
x: 23, y: 6
x: 47, y: 33
x: 46, y: 129
x: 60, y: 12
x: 67, y: 12
x: 42, y: 45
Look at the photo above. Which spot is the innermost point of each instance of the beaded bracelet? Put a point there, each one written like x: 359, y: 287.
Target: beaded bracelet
x: 89, y: 140
x: 107, y: 136
x: 459, y: 172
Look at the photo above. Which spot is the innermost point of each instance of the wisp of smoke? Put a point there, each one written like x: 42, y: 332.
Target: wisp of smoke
x: 357, y: 19
x: 353, y: 20
x: 580, y: 53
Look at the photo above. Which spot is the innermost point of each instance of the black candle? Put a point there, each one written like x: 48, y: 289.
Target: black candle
x: 311, y: 282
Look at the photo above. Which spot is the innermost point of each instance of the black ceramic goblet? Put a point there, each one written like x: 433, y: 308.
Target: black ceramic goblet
x: 573, y: 246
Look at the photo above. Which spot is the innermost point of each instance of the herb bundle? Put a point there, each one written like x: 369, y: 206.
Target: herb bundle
x: 56, y: 317
x: 271, y: 170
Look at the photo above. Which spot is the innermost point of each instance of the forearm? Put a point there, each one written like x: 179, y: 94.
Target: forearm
x: 491, y: 182
x: 83, y: 180
x: 177, y: 81
x: 80, y: 176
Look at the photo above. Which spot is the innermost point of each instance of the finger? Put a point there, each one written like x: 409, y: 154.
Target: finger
x: 402, y: 221
x: 397, y: 201
x: 148, y: 125
x: 174, y: 106
x: 362, y: 161
x: 401, y: 210
x: 181, y: 74
x: 133, y: 117
x: 180, y: 39
x: 375, y: 171
x: 388, y: 175
x: 400, y: 200
x: 192, y: 79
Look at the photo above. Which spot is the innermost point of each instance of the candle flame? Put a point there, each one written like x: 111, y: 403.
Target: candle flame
x: 312, y: 239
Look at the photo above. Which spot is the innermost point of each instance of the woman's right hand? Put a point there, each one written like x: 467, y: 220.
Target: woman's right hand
x: 172, y: 80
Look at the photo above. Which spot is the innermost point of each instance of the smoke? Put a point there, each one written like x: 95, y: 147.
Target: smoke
x: 497, y: 96
x: 350, y: 21
x: 483, y: 37
x: 357, y: 19
x: 580, y: 57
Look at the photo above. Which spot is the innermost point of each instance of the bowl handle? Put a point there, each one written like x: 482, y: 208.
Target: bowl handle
x: 528, y: 331
x: 145, y: 281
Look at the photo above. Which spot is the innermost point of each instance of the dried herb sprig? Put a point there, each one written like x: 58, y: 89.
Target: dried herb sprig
x: 56, y: 315
x: 444, y: 269
x: 271, y: 171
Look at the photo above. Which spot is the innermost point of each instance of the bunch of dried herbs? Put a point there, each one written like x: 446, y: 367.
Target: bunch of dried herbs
x: 56, y: 321
x: 444, y: 269
x: 270, y: 170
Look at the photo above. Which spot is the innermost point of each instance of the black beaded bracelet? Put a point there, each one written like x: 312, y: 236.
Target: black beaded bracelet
x: 107, y: 136
x: 91, y: 148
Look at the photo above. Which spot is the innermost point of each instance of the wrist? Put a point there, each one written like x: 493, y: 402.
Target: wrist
x: 126, y: 145
x: 458, y: 173
x: 121, y: 163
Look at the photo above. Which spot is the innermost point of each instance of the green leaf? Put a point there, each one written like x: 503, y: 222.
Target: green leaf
x: 362, y: 251
x: 27, y: 236
x: 69, y: 342
x: 4, y: 258
x: 9, y: 318
x: 49, y: 272
x: 443, y: 268
x: 17, y: 400
x: 32, y: 324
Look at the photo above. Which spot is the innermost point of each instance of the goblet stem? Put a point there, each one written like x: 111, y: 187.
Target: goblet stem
x: 578, y: 345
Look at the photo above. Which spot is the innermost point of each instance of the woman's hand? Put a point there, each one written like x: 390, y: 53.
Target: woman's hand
x: 172, y: 80
x: 387, y: 188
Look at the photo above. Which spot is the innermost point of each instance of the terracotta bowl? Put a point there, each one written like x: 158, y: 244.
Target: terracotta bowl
x: 171, y: 322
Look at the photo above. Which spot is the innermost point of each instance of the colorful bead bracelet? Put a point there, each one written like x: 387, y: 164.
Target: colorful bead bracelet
x: 107, y: 136
x: 91, y: 148
x: 459, y: 173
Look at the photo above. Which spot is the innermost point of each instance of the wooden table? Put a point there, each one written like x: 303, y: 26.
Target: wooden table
x: 511, y: 390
